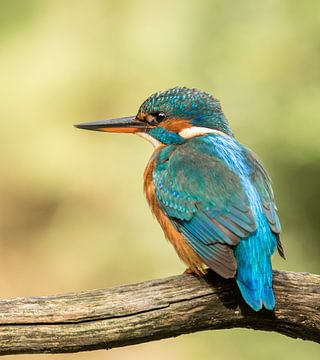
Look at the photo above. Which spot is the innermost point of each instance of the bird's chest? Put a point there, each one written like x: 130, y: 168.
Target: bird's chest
x: 149, y: 186
x: 160, y: 155
x: 185, y: 252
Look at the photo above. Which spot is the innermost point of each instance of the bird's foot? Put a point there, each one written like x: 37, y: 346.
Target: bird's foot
x: 189, y: 271
x: 192, y: 271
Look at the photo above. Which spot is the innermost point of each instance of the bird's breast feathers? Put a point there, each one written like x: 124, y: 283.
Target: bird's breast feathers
x: 185, y: 252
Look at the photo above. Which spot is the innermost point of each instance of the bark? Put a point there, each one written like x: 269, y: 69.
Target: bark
x: 152, y: 310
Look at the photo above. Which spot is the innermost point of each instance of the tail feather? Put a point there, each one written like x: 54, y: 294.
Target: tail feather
x: 261, y: 294
x: 268, y: 298
x: 267, y: 291
x: 250, y: 296
x: 254, y: 276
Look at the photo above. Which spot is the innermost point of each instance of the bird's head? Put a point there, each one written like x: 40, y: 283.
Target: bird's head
x: 170, y: 117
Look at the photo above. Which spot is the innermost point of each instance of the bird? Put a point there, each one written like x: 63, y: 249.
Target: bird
x: 211, y: 194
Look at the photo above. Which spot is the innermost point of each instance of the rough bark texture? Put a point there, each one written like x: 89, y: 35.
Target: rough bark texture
x: 156, y: 309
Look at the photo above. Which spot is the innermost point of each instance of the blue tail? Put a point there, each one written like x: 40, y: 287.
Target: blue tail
x: 254, y: 272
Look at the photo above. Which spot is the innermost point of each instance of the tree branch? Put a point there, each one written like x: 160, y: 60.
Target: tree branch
x: 152, y: 310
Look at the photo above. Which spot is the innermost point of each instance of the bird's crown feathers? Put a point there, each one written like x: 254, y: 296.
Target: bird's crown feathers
x: 201, y: 108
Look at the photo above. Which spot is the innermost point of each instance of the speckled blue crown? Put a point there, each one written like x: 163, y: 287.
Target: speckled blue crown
x: 201, y: 108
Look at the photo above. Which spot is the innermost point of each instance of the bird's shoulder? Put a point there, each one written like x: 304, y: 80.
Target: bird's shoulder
x: 192, y: 177
x: 196, y: 165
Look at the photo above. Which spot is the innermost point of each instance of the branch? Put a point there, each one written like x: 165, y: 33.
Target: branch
x: 156, y: 309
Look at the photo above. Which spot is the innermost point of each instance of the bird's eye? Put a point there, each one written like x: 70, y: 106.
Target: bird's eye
x: 155, y: 118
x: 159, y: 116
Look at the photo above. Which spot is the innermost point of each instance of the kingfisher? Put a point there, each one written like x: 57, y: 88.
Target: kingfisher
x: 210, y: 194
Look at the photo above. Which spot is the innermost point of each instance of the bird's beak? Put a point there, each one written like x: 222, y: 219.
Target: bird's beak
x: 128, y: 124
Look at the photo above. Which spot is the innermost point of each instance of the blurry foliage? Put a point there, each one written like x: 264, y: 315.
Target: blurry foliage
x: 72, y: 212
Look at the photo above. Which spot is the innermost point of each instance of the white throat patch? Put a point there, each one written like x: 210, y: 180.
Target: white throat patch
x: 187, y: 133
x: 193, y: 131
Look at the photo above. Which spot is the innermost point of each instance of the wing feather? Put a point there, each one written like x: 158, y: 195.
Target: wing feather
x: 206, y: 202
x: 262, y: 183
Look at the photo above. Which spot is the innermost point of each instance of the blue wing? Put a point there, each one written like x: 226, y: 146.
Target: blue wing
x: 206, y: 201
x: 262, y: 183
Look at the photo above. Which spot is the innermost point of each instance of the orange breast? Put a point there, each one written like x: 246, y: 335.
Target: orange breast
x: 185, y: 252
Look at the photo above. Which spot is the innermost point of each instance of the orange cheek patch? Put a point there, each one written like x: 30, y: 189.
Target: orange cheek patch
x: 176, y: 125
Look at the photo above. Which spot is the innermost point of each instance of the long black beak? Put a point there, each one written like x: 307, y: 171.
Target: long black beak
x: 127, y: 124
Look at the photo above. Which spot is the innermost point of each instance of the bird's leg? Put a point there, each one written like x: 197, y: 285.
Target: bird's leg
x: 189, y: 271
x: 194, y: 271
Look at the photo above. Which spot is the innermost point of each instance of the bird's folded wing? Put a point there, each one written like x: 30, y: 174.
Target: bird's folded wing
x: 206, y: 202
x: 262, y: 183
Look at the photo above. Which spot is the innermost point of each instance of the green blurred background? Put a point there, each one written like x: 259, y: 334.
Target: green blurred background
x: 73, y: 215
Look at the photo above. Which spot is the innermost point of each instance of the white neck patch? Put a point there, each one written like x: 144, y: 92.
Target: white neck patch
x: 187, y: 133
x: 193, y: 131
x: 155, y: 143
